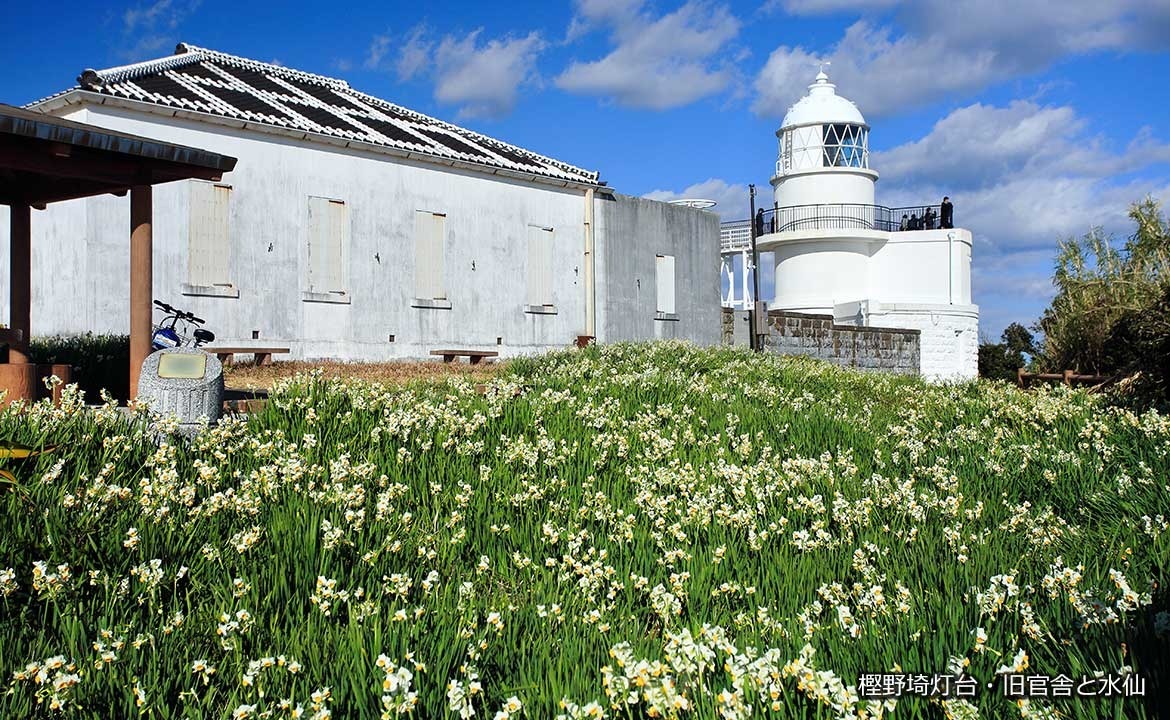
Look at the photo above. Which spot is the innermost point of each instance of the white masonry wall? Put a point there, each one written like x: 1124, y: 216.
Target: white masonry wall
x: 81, y: 251
x: 949, y: 347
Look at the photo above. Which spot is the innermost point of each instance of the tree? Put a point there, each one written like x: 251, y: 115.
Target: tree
x: 1102, y: 295
x: 1001, y: 361
x: 1111, y: 313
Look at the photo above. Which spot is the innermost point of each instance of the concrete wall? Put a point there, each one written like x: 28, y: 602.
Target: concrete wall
x: 631, y: 232
x: 863, y: 348
x: 81, y: 254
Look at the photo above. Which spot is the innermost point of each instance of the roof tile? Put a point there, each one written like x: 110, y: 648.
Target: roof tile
x: 239, y: 88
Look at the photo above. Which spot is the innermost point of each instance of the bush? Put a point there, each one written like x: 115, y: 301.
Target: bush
x: 1108, y: 316
x: 99, y: 361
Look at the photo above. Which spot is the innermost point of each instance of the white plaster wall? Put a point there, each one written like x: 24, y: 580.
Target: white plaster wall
x: 922, y: 266
x: 815, y: 270
x: 81, y: 251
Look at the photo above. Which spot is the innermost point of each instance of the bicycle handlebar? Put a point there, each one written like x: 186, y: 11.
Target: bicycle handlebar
x: 179, y: 314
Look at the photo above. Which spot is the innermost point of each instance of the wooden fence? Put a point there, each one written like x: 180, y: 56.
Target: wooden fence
x: 1068, y: 377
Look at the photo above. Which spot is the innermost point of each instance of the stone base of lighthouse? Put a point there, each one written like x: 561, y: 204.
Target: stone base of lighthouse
x: 949, y: 340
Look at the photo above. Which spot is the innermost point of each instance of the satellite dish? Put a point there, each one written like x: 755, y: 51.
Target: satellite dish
x: 695, y: 203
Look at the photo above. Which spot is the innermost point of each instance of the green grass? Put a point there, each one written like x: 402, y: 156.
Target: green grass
x: 589, y: 523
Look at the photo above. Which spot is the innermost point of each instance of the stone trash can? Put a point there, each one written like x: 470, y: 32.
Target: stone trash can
x: 184, y: 382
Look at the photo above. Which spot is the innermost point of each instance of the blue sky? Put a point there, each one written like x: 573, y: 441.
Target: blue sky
x: 1039, y: 119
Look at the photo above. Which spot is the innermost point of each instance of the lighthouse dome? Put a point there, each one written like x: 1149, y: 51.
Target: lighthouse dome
x: 822, y: 106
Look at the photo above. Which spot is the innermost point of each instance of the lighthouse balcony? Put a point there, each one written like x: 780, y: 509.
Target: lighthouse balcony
x: 831, y: 216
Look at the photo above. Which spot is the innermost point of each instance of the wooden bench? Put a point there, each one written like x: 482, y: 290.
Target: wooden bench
x: 473, y: 356
x: 263, y: 355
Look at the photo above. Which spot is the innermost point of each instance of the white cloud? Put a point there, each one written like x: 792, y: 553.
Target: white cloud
x: 481, y: 77
x: 148, y: 29
x: 161, y: 14
x: 657, y: 62
x: 1028, y: 174
x: 826, y: 7
x: 415, y: 54
x: 1022, y: 177
x: 936, y: 49
x: 591, y: 14
x: 379, y: 47
x: 731, y: 198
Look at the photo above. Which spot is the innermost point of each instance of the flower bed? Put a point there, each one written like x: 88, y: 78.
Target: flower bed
x: 622, y: 531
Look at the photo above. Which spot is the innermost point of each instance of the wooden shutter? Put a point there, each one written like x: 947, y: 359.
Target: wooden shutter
x: 664, y: 282
x: 208, y: 249
x: 540, y: 243
x: 429, y: 231
x: 327, y: 246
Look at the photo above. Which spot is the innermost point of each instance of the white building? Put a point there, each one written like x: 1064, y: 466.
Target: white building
x: 838, y: 253
x: 354, y: 228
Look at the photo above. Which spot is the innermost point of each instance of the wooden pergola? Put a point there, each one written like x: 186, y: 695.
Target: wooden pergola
x: 44, y: 159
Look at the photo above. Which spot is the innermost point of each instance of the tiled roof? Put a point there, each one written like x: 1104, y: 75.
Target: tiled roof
x: 207, y: 81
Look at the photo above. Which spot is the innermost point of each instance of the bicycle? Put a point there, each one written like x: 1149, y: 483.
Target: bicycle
x: 168, y: 336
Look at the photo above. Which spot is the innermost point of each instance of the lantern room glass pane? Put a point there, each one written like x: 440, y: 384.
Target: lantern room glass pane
x: 845, y: 145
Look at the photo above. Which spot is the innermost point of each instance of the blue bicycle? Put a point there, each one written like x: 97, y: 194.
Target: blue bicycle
x: 167, y: 332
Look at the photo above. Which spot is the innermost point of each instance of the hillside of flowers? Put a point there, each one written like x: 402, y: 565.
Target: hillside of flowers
x: 629, y: 531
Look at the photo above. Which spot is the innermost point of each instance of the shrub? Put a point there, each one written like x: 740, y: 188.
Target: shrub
x: 99, y: 361
x: 1108, y: 316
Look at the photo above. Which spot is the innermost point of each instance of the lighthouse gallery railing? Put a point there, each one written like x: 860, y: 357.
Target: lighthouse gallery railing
x: 843, y: 216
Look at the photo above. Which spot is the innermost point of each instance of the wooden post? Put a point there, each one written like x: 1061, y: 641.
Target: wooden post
x: 20, y: 267
x: 1068, y: 377
x: 141, y: 280
x: 1020, y: 377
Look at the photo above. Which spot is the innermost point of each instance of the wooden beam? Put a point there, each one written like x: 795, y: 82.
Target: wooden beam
x: 38, y: 191
x: 19, y: 288
x: 39, y: 159
x: 141, y: 280
x: 43, y: 158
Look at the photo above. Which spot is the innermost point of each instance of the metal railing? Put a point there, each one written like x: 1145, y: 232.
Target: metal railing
x: 835, y: 216
x: 735, y: 236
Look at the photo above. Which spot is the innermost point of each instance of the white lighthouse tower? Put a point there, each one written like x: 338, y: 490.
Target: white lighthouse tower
x: 839, y: 253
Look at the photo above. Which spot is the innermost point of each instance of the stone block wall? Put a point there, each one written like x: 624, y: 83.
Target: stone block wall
x: 864, y: 348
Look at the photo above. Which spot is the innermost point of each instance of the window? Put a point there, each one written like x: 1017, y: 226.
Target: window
x: 208, y: 241
x: 540, y: 265
x: 429, y: 234
x: 664, y: 285
x: 846, y: 146
x: 328, y: 245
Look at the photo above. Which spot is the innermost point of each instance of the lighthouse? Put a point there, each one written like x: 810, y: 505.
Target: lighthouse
x: 837, y: 252
x: 824, y: 151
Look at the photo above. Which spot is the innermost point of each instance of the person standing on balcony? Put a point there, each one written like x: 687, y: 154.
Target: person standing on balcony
x: 760, y: 222
x: 905, y: 223
x: 928, y: 219
x: 947, y: 214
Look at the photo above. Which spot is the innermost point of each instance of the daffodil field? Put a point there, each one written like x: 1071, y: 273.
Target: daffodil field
x: 626, y: 531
